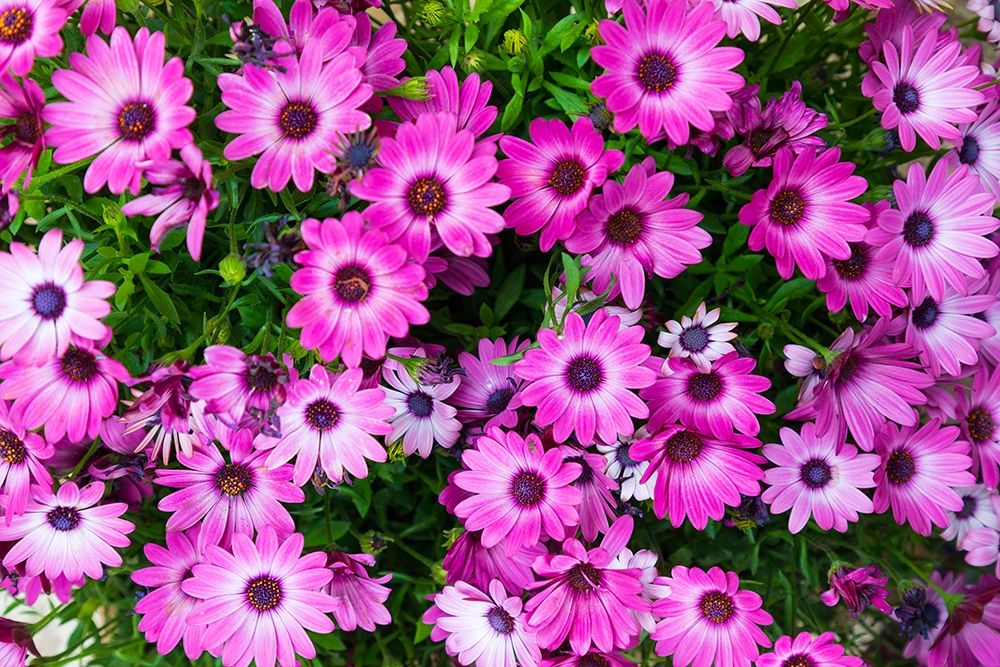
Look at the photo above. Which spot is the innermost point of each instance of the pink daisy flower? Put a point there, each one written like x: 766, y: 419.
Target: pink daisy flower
x: 743, y: 16
x: 305, y: 24
x: 818, y: 477
x: 70, y: 395
x: 328, y: 423
x: 859, y: 588
x: 724, y: 398
x: 805, y: 214
x: 29, y: 29
x: 233, y: 383
x: 22, y: 457
x: 551, y: 179
x: 431, y: 178
x: 489, y: 392
x: 468, y: 560
x: 518, y: 491
x: 359, y: 290
x: 259, y: 600
x: 125, y: 106
x: 983, y: 546
x: 924, y: 89
x: 805, y: 649
x: 182, y: 196
x: 632, y: 230
x: 978, y: 414
x: 701, y: 338
x: 581, y: 597
x: 937, y: 235
x: 708, y: 620
x: 664, y: 70
x: 170, y: 419
x: 469, y: 100
x: 67, y: 533
x: 291, y: 118
x: 977, y: 511
x: 591, y: 658
x: 480, y: 628
x: 597, y: 506
x: 47, y: 304
x: 165, y: 609
x: 360, y: 600
x: 96, y: 14
x: 979, y: 146
x: 582, y: 380
x: 696, y: 475
x: 21, y: 102
x: 422, y: 415
x: 989, y: 19
x: 919, y: 473
x: 384, y: 54
x: 804, y: 363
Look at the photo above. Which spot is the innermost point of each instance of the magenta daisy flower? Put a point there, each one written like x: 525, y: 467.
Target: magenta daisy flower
x: 70, y: 395
x: 946, y: 333
x: 977, y: 511
x: 743, y: 16
x: 328, y: 422
x: 233, y: 383
x: 422, y: 416
x: 551, y: 179
x: 166, y: 413
x: 700, y: 338
x: 384, y: 54
x: 125, y: 106
x: 983, y: 547
x: 96, y: 14
x: 360, y: 600
x: 259, y: 600
x: 597, y: 506
x: 182, y: 196
x: 632, y: 230
x: 468, y: 560
x: 22, y: 456
x: 953, y: 639
x: 519, y: 491
x: 805, y: 214
x: 29, y: 29
x: 47, y: 304
x: 804, y: 649
x: 15, y: 643
x: 724, y: 398
x: 979, y: 415
x: 430, y: 179
x: 696, y: 475
x: 591, y: 658
x: 818, y: 477
x: 859, y: 588
x: 22, y: 104
x: 582, y: 380
x: 482, y: 628
x: 67, y: 533
x: 979, y: 146
x: 708, y: 620
x: 165, y: 609
x: 581, y: 597
x: 469, y: 100
x: 291, y: 118
x: 359, y: 290
x: 919, y: 473
x: 489, y: 392
x: 305, y: 24
x: 664, y: 70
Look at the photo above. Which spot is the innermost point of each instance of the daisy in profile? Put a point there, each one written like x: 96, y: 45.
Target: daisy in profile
x: 328, y: 421
x: 805, y: 649
x: 259, y: 600
x: 805, y: 214
x: 982, y: 545
x: 519, y: 492
x: 859, y: 588
x: 939, y: 232
x: 422, y: 417
x: 631, y: 231
x: 629, y: 473
x: 697, y: 476
x: 806, y: 364
x: 358, y: 290
x: 979, y: 145
x: 582, y: 380
x: 165, y: 412
x: 96, y: 14
x: 921, y: 468
x: 30, y: 29
x: 360, y: 600
x: 989, y: 19
x: 21, y: 103
x: 469, y: 561
x: 946, y: 333
x: 664, y: 70
x: 708, y: 620
x: 979, y: 416
x: 701, y: 338
x: 128, y: 125
x: 233, y: 383
x: 22, y: 463
x: 383, y: 55
x: 305, y: 24
x: 432, y: 179
x: 482, y: 628
x: 468, y: 100
x: 47, y: 304
x: 818, y: 477
x: 489, y: 392
x: 551, y: 177
x: 716, y: 401
x: 743, y: 16
x: 581, y: 597
x: 977, y: 511
x: 67, y: 533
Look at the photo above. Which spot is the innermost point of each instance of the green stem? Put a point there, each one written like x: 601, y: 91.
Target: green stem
x: 803, y: 13
x: 86, y: 458
x: 868, y: 114
x: 398, y: 541
x: 45, y: 620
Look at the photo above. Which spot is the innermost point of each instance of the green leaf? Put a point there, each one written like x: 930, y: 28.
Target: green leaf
x: 500, y: 9
x: 423, y: 631
x: 789, y: 290
x: 486, y: 315
x: 513, y: 358
x: 125, y: 291
x: 509, y: 293
x: 571, y: 267
x: 567, y: 101
x: 736, y: 238
x: 160, y: 299
x: 512, y: 114
x: 137, y: 263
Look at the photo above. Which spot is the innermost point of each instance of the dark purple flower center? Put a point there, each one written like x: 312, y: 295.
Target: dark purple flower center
x: 528, y: 488
x: 26, y: 128
x: 48, y: 301
x: 359, y: 154
x: 847, y: 369
x: 322, y: 415
x: 969, y: 152
x: 623, y: 457
x: 586, y: 472
x: 906, y: 98
x: 15, y: 25
x: 758, y: 140
x: 981, y: 424
x: 787, y: 207
x: 925, y: 314
x: 567, y: 177
x: 625, y: 227
x: 816, y: 474
x: 262, y: 374
x: 78, y: 365
x: 63, y: 518
x: 694, y: 338
x: 352, y: 283
x: 918, y: 230
x: 194, y: 189
x: 297, y: 120
x: 136, y: 121
x: 900, y: 468
x: 234, y: 479
x: 584, y: 577
x: 853, y: 267
x: 427, y: 197
x: 798, y: 661
x: 500, y: 620
x: 584, y: 374
x: 704, y: 386
x: 657, y: 73
x: 594, y: 660
x: 264, y: 593
x: 969, y: 504
x: 420, y: 404
x: 12, y: 450
x: 717, y: 607
x: 684, y: 447
x: 497, y: 401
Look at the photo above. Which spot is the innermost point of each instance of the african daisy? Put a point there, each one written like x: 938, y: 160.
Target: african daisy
x: 489, y: 392
x: 360, y: 600
x: 21, y: 102
x: 22, y: 463
x: 701, y: 338
x: 29, y: 29
x: 597, y: 505
x: 977, y: 512
x: 469, y: 561
x: 978, y: 413
x: 469, y: 100
x: 165, y: 412
x: 805, y: 649
x: 96, y: 14
x: 979, y: 146
x: 743, y: 16
x: 422, y: 416
x: 625, y: 470
x: 233, y: 383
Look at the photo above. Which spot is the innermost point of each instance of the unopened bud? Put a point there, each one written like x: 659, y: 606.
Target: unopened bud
x: 514, y: 41
x: 231, y: 269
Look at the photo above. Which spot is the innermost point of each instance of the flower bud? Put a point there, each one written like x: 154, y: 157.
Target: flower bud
x: 232, y: 270
x: 514, y: 41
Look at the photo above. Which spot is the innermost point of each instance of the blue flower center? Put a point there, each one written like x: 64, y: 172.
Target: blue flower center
x: 584, y: 374
x: 704, y: 386
x: 900, y: 468
x: 625, y: 227
x: 234, y: 479
x: 78, y: 365
x: 497, y: 401
x: 527, y: 488
x: 906, y: 98
x: 427, y: 197
x: 969, y: 152
x: 63, y: 518
x: 981, y: 424
x: 853, y: 267
x: 500, y: 620
x: 48, y: 301
x: 297, y: 120
x: 787, y: 207
x: 684, y: 447
x: 717, y: 607
x: 925, y: 314
x: 918, y: 230
x: 420, y: 404
x: 322, y: 415
x: 136, y: 121
x: 816, y: 474
x: 264, y: 593
x: 568, y: 177
x: 584, y: 577
x: 657, y: 73
x: 694, y: 339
